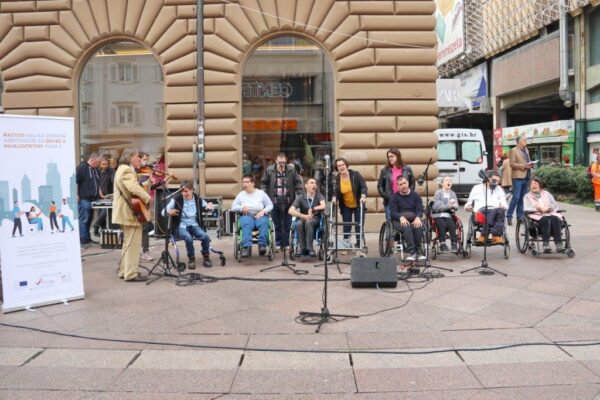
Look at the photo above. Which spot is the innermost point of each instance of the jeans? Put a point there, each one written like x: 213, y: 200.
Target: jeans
x: 188, y: 234
x: 412, y: 236
x: 388, y: 213
x: 53, y: 221
x: 278, y: 221
x: 85, y: 218
x: 520, y: 187
x: 38, y: 222
x: 347, y: 214
x: 248, y: 224
x: 306, y: 232
x: 444, y: 225
x: 66, y: 221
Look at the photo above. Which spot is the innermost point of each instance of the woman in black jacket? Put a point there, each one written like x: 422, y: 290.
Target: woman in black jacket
x: 387, y: 184
x: 350, y: 190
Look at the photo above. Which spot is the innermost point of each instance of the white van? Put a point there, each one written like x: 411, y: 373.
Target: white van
x: 461, y: 155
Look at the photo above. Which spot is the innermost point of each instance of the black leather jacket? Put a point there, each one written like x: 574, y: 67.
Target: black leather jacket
x: 384, y: 185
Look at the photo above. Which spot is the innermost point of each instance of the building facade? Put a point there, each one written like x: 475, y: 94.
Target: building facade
x: 540, y: 72
x: 308, y: 77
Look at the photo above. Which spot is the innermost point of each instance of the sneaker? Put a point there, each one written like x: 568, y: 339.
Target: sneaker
x: 546, y: 247
x: 481, y: 239
x: 453, y: 246
x: 509, y: 221
x: 412, y: 257
x: 443, y: 247
x: 497, y: 239
x: 560, y: 248
x: 262, y: 250
x: 421, y: 257
x: 206, y: 263
x: 146, y: 256
x: 245, y: 252
x: 191, y: 263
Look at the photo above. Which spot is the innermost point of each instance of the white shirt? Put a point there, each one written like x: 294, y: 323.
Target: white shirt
x: 495, y: 198
x: 255, y: 201
x: 66, y: 211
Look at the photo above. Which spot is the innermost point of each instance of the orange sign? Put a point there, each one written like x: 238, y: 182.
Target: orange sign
x: 274, y: 125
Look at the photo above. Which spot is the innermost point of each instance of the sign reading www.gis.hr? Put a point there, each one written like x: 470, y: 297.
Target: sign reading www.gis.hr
x: 39, y: 237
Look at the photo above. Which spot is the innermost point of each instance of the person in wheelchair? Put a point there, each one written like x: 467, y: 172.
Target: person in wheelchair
x: 307, y: 208
x: 185, y: 209
x: 496, y: 208
x: 542, y: 209
x: 445, y: 204
x: 255, y: 206
x: 406, y: 210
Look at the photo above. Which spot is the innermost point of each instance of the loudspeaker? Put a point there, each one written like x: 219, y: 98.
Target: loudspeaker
x: 372, y: 271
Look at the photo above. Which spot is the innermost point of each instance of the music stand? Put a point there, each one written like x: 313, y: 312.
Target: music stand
x: 428, y: 264
x: 166, y: 265
x: 484, y: 268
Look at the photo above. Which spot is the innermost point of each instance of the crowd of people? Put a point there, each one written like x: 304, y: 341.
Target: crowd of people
x: 284, y: 194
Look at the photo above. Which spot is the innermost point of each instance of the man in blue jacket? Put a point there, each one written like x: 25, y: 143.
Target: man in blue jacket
x: 88, y: 184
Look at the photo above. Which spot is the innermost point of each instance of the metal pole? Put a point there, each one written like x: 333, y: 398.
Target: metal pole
x: 200, y: 94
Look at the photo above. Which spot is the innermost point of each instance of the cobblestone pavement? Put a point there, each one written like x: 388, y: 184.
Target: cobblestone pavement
x: 448, y: 338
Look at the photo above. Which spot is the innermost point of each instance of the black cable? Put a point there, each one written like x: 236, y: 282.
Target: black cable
x: 314, y: 351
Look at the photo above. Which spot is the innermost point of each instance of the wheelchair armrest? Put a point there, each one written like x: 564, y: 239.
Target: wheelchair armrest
x: 561, y: 211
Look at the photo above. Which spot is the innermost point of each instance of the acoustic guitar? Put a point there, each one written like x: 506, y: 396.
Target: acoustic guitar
x: 141, y: 212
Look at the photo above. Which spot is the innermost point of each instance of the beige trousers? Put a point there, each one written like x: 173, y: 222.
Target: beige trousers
x: 130, y: 254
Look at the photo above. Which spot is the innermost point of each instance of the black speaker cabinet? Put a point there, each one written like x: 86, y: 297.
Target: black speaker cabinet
x: 372, y: 271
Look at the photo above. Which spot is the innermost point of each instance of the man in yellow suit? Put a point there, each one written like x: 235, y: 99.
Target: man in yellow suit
x: 126, y: 185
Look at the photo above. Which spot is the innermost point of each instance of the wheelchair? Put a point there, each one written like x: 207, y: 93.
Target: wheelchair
x: 476, y: 221
x: 434, y: 237
x: 319, y: 239
x: 391, y: 243
x: 529, y: 236
x: 237, y: 239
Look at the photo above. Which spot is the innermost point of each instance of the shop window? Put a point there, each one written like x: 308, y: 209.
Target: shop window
x: 595, y: 95
x: 594, y: 24
x: 114, y: 115
x: 550, y: 155
x: 287, y: 106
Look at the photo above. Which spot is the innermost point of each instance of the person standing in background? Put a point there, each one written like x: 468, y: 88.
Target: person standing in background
x: 520, y: 164
x: 17, y: 220
x: 388, y: 179
x: 88, y: 182
x: 107, y: 177
x: 595, y: 172
x: 52, y: 216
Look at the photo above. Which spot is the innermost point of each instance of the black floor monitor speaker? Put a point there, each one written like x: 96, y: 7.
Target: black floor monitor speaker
x: 373, y: 271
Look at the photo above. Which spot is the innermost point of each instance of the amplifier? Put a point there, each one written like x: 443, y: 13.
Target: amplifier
x: 112, y: 239
x: 373, y: 271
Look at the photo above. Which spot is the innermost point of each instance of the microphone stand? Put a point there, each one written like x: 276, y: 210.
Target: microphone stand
x: 320, y: 318
x: 428, y: 231
x: 484, y: 268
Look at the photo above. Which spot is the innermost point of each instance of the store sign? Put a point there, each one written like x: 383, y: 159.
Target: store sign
x: 449, y: 16
x: 258, y: 89
x: 473, y: 89
x: 448, y: 93
x: 273, y: 125
x: 547, y: 132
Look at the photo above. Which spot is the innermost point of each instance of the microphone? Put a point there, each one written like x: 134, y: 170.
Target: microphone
x: 483, y: 176
x: 421, y: 180
x: 326, y: 159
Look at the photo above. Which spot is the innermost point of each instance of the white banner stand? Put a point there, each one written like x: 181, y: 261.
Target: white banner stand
x: 39, y: 235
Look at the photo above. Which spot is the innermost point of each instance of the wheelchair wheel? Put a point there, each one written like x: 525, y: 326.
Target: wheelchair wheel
x: 385, y: 237
x: 292, y: 248
x: 223, y: 260
x: 236, y: 250
x: 506, y: 250
x: 522, y: 235
x: 567, y: 234
x: 433, y: 251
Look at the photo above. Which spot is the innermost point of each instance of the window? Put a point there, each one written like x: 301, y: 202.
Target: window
x: 120, y: 101
x: 158, y: 74
x: 595, y: 95
x: 471, y: 152
x: 87, y: 114
x: 594, y: 24
x: 446, y: 151
x: 550, y: 154
x: 124, y: 72
x: 287, y: 106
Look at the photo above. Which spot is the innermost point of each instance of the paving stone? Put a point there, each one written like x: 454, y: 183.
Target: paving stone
x: 584, y: 308
x: 151, y: 396
x: 522, y: 315
x: 533, y: 374
x: 488, y: 337
x: 420, y: 360
x: 261, y: 361
x: 583, y: 352
x: 396, y: 340
x: 44, y: 395
x: 174, y: 381
x: 188, y: 360
x: 16, y: 355
x: 554, y: 392
x: 420, y: 395
x: 593, y: 365
x: 321, y: 341
x: 523, y: 354
x: 539, y: 300
x: 294, y: 381
x: 45, y: 378
x: 460, y: 302
x: 84, y: 358
x: 412, y: 379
